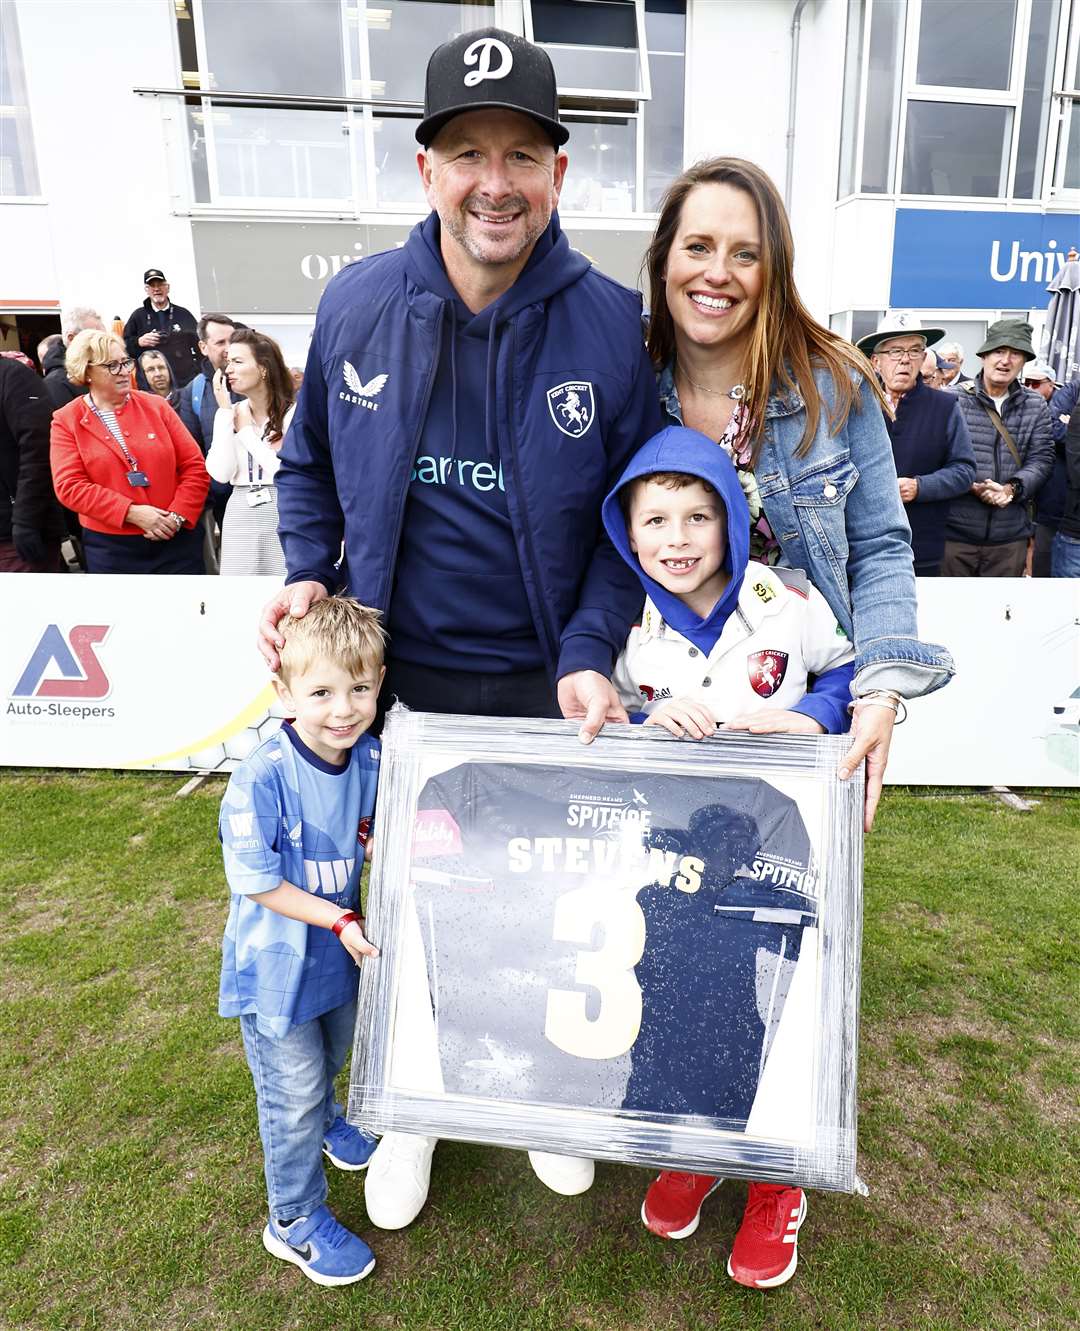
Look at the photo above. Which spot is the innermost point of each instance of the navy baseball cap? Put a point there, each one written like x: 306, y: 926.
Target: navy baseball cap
x: 490, y: 68
x: 153, y: 275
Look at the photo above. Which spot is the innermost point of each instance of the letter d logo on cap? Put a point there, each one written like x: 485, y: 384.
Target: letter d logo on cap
x: 479, y: 54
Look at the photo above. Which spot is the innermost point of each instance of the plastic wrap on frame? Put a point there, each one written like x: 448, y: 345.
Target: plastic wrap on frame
x: 728, y: 1046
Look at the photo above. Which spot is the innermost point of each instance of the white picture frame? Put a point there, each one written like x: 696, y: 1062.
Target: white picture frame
x: 643, y: 950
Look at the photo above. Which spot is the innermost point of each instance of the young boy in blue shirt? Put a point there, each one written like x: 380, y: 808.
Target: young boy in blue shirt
x: 720, y: 635
x: 290, y: 829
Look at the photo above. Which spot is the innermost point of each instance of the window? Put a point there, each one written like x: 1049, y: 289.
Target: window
x: 966, y: 45
x: 874, y: 61
x: 267, y: 155
x: 950, y: 148
x: 1066, y: 114
x: 18, y: 164
x: 619, y: 68
x: 1035, y: 104
x: 665, y: 33
x: 595, y: 45
x: 623, y: 61
x: 864, y: 322
x: 949, y: 98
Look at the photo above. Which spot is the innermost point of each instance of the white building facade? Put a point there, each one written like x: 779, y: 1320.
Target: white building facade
x: 929, y: 149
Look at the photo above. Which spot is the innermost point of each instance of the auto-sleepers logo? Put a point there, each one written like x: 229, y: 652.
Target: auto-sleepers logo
x: 81, y: 675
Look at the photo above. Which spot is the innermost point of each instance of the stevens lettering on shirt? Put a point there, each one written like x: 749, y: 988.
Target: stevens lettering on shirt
x: 637, y: 938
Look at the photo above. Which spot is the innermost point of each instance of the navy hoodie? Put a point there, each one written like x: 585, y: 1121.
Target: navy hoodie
x: 457, y: 533
x: 569, y: 396
x: 682, y: 450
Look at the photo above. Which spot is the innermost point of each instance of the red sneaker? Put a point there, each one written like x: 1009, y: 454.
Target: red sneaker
x: 766, y: 1248
x: 672, y: 1206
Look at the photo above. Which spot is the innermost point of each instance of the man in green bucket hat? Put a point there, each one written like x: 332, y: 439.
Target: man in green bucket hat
x: 1011, y: 431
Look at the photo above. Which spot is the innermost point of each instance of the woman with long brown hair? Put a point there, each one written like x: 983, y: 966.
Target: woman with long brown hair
x: 742, y: 360
x: 244, y: 453
x: 799, y: 411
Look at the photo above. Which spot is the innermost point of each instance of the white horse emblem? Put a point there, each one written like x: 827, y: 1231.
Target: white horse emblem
x: 572, y: 408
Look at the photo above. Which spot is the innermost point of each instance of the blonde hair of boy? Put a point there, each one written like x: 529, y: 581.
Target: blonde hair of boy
x: 337, y: 629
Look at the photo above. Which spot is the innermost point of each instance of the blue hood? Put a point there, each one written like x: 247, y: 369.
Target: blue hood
x: 679, y: 449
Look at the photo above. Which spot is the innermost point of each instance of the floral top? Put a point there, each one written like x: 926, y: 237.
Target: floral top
x: 735, y: 441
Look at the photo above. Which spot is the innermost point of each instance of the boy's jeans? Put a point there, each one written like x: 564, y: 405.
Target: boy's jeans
x: 294, y: 1088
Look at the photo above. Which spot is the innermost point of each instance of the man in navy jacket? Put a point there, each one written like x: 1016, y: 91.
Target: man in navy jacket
x: 467, y: 403
x: 931, y: 444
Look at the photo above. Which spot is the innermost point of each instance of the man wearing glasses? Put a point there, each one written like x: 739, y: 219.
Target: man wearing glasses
x: 931, y: 444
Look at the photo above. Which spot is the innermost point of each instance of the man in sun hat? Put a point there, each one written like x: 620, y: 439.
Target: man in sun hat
x: 1011, y: 430
x: 931, y: 445
x: 468, y: 401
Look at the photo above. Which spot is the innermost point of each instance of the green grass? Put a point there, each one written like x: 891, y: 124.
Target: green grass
x: 131, y: 1192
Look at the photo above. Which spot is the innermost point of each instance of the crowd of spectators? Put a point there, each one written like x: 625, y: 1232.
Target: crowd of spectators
x: 149, y: 446
x: 983, y: 465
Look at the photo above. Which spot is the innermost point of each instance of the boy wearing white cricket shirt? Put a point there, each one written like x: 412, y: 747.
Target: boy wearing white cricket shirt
x: 722, y: 642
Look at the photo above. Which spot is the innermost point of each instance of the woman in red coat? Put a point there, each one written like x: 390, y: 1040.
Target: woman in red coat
x: 124, y: 462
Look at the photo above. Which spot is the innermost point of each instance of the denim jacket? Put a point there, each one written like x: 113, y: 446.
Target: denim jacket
x: 836, y: 512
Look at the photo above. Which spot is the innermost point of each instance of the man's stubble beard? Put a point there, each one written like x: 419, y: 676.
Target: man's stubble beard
x: 456, y: 226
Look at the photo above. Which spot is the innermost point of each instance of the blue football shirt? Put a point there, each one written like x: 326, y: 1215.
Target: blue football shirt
x: 287, y: 815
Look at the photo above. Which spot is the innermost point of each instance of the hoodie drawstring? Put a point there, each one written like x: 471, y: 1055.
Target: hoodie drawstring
x: 453, y: 380
x: 490, y: 423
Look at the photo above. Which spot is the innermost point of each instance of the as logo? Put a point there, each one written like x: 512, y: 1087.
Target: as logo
x: 572, y: 408
x: 480, y: 54
x: 73, y: 658
x: 360, y: 394
x: 766, y: 670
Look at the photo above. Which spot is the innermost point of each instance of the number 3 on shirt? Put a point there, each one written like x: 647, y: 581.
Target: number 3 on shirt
x: 610, y: 970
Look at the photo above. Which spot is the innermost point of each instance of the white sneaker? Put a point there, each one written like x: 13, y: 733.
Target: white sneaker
x: 398, y: 1178
x: 566, y: 1174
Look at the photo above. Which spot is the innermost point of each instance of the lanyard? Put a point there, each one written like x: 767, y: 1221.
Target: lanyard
x: 252, y: 465
x: 132, y: 464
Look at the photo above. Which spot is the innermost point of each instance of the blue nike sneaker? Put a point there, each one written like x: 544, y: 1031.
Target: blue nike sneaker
x: 323, y: 1249
x: 346, y: 1146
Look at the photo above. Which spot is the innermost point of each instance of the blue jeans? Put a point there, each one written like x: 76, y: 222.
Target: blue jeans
x: 294, y: 1089
x: 1065, y: 557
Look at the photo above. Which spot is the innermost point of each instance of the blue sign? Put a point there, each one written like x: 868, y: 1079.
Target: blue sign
x: 975, y: 260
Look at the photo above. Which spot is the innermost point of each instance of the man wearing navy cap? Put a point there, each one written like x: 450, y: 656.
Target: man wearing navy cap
x: 159, y: 325
x: 468, y: 401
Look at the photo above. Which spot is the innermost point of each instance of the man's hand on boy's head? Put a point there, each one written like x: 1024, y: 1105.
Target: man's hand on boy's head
x: 774, y: 721
x: 296, y: 600
x: 685, y: 718
x: 354, y: 942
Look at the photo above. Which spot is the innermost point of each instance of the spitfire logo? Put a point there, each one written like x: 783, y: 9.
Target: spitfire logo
x: 572, y: 408
x: 82, y: 675
x: 600, y: 814
x: 767, y: 670
x: 480, y: 54
x: 360, y: 394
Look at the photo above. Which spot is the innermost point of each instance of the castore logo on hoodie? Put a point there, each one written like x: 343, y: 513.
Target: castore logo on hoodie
x: 361, y: 393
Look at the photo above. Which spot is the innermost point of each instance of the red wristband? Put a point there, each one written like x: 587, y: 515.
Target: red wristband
x: 343, y: 920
